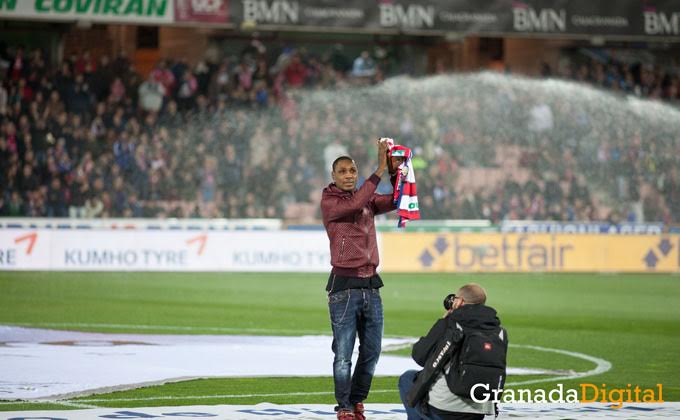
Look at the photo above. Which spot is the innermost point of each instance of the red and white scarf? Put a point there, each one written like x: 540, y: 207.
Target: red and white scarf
x: 405, y: 192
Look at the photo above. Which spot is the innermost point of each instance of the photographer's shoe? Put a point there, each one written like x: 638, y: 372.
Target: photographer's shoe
x: 359, y: 411
x: 345, y: 415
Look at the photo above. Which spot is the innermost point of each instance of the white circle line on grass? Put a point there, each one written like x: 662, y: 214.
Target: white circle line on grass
x: 601, y: 365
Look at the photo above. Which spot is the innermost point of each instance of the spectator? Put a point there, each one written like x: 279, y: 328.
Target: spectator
x: 186, y: 92
x: 85, y: 65
x: 79, y: 192
x: 671, y: 193
x: 208, y: 179
x: 3, y: 100
x: 78, y: 99
x: 364, y: 66
x: 120, y: 197
x: 117, y: 90
x: 18, y: 66
x: 151, y: 94
x: 15, y: 206
x: 102, y: 78
x: 338, y: 60
x: 73, y: 121
x: 296, y: 72
x: 56, y: 199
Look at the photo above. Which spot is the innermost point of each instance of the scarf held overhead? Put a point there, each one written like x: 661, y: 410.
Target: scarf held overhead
x: 405, y: 192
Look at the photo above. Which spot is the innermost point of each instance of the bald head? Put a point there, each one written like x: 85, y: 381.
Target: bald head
x: 472, y: 294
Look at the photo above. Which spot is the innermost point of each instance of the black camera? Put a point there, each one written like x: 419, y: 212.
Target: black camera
x: 448, y: 301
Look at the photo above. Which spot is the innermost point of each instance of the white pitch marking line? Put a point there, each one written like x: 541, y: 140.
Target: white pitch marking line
x: 601, y: 365
x: 73, y: 404
x: 57, y: 402
x: 207, y: 397
x: 188, y: 397
x: 163, y: 327
x: 185, y: 328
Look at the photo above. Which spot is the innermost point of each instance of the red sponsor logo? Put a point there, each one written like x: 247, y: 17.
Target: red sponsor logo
x: 208, y: 11
x: 201, y: 240
x: 31, y: 238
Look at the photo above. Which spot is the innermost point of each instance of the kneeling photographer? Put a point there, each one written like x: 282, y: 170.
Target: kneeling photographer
x: 466, y: 347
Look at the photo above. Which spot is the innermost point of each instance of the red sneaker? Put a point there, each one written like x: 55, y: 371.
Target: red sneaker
x: 345, y: 415
x: 359, y: 411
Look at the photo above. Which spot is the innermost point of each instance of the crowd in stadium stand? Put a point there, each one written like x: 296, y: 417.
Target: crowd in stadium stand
x: 93, y: 138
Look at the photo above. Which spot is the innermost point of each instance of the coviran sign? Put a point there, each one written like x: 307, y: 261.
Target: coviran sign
x: 517, y: 252
x: 128, y: 11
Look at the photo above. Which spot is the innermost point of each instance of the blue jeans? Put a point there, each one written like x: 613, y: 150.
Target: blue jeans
x: 405, y: 385
x: 355, y: 312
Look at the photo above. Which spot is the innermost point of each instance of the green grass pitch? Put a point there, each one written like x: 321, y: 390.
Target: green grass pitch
x: 632, y: 321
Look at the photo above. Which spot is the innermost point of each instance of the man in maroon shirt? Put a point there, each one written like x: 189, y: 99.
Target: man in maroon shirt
x: 353, y: 298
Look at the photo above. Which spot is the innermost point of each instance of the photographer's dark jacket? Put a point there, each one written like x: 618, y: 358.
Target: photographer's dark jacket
x: 348, y: 219
x: 431, y: 380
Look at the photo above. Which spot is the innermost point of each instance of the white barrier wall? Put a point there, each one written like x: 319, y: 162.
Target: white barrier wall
x: 162, y: 250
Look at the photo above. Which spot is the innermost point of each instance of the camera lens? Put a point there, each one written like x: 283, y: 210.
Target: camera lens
x: 448, y: 301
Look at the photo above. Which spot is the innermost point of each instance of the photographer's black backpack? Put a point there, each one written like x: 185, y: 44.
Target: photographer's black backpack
x: 480, y: 360
x: 440, y: 355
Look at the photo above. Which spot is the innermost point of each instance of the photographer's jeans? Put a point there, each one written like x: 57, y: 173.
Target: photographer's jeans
x: 355, y: 312
x: 405, y: 384
x: 406, y: 381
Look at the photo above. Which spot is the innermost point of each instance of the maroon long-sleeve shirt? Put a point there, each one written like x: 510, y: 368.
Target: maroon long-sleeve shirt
x: 348, y: 217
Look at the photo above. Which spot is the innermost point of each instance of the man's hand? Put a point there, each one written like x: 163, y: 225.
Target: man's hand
x: 382, y: 157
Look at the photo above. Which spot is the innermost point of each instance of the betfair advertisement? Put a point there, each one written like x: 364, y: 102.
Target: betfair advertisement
x: 516, y: 252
